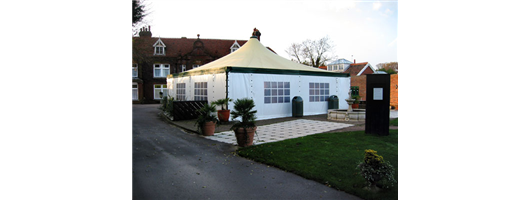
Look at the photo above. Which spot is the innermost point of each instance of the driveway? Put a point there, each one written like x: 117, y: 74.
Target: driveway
x: 169, y: 163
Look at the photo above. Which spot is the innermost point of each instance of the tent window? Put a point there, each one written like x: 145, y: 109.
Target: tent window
x: 277, y: 92
x: 181, y: 91
x: 318, y: 92
x: 201, y: 91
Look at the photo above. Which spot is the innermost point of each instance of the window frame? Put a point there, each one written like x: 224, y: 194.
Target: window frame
x: 159, y: 48
x: 276, y: 93
x: 135, y: 69
x: 200, y: 92
x: 234, y: 47
x: 182, y: 68
x: 315, y: 92
x: 135, y: 89
x: 162, y: 69
x: 180, y: 92
x: 156, y: 95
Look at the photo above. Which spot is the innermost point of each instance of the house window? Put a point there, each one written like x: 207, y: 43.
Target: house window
x: 318, y: 92
x: 182, y: 68
x: 201, y: 91
x: 195, y: 66
x: 160, y: 48
x: 355, y: 90
x: 158, y: 89
x: 181, y: 91
x: 277, y: 92
x: 159, y: 51
x: 161, y: 70
x: 135, y: 70
x: 234, y: 47
x: 134, y: 91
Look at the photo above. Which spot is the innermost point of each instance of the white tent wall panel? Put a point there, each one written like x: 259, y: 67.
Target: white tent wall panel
x: 216, y: 86
x: 337, y: 86
x: 243, y: 85
x: 170, y: 85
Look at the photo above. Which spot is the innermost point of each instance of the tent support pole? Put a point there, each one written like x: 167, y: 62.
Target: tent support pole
x: 226, y: 85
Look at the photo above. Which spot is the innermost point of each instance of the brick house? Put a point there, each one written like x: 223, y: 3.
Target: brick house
x: 358, y: 72
x: 394, y: 91
x: 155, y: 58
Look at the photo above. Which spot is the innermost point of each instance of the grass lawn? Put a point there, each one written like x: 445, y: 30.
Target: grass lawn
x: 330, y: 158
x: 394, y: 122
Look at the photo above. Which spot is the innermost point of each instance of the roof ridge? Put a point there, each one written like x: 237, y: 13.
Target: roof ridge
x: 186, y: 38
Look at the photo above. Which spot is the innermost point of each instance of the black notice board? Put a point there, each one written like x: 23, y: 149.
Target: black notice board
x: 377, y: 104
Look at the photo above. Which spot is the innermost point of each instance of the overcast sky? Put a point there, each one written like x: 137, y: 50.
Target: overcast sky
x: 361, y: 30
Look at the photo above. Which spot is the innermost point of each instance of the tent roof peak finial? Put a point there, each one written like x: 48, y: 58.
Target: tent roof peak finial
x: 256, y: 34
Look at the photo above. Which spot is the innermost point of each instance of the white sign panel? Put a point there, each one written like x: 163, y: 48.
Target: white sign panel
x: 378, y: 93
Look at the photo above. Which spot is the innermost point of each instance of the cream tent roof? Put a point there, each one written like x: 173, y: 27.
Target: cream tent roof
x: 256, y: 56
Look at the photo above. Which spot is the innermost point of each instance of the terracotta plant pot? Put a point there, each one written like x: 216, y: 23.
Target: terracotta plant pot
x: 208, y: 128
x: 223, y: 115
x: 242, y: 140
x: 355, y: 106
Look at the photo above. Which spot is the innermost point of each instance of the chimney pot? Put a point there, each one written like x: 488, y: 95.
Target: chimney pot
x: 145, y: 32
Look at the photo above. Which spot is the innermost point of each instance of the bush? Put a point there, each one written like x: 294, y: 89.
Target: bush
x: 376, y: 171
x: 166, y: 105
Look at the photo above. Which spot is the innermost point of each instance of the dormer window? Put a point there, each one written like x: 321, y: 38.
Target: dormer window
x: 234, y: 47
x: 160, y: 47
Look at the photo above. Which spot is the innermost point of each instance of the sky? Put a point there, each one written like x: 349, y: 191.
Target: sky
x: 362, y: 30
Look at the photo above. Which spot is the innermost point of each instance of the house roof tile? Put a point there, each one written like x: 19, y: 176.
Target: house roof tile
x: 181, y: 46
x: 355, y: 68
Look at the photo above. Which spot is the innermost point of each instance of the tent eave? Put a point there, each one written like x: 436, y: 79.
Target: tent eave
x: 283, y: 72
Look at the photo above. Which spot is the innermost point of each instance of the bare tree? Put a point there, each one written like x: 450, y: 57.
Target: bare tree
x: 389, y: 68
x: 311, y: 52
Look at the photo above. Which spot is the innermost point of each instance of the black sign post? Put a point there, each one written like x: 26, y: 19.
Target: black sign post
x: 377, y: 104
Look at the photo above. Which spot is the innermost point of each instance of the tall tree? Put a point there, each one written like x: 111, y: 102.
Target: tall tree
x: 314, y: 53
x: 138, y: 11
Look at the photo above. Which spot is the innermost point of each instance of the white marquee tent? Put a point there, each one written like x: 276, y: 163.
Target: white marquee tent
x: 270, y: 80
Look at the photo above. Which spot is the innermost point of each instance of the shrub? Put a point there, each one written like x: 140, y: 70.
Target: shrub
x: 166, y: 105
x: 376, y: 171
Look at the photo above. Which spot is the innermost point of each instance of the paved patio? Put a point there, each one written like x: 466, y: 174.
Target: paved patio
x: 273, y: 130
x: 282, y: 131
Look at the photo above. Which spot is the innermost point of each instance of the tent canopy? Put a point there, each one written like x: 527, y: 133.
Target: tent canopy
x: 270, y: 80
x: 256, y: 57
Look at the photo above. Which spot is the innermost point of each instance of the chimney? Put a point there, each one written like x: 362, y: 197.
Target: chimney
x: 145, y: 32
x: 353, y: 61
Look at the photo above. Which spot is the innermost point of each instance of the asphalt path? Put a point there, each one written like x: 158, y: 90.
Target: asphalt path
x: 169, y: 163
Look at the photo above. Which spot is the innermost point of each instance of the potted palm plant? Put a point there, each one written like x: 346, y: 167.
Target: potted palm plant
x: 223, y: 114
x: 246, y: 128
x: 207, y: 121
